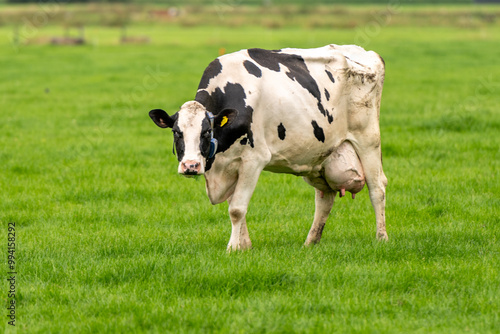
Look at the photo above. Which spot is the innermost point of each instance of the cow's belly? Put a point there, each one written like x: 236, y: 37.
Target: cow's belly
x: 302, y: 153
x: 295, y: 169
x: 298, y: 161
x: 337, y: 169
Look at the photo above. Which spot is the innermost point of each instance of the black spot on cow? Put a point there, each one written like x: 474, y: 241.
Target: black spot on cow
x: 232, y: 96
x: 212, y: 70
x: 252, y: 68
x: 244, y: 141
x: 265, y: 58
x: 327, y: 95
x: 330, y: 75
x: 205, y: 138
x: 206, y: 100
x: 281, y: 131
x: 321, y: 109
x: 178, y: 142
x: 325, y: 112
x: 297, y: 71
x: 318, y: 132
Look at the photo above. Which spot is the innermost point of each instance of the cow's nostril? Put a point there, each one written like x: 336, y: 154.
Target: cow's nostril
x: 191, y: 166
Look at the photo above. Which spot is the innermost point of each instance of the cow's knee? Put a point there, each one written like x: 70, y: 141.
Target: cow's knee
x: 377, y: 194
x: 237, y: 214
x: 240, y: 239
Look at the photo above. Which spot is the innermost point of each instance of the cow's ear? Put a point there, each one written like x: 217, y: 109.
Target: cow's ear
x: 225, y: 118
x: 161, y: 118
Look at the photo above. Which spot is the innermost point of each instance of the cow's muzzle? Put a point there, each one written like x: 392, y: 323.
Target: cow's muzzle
x: 190, y: 167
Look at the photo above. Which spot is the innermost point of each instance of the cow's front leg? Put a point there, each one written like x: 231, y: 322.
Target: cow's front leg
x: 238, y: 204
x: 240, y: 239
x: 324, y: 203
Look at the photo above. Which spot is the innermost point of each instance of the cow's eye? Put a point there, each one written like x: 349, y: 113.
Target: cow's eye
x: 206, y: 133
x: 177, y: 134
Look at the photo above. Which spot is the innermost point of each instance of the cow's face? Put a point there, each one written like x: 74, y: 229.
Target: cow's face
x: 192, y: 134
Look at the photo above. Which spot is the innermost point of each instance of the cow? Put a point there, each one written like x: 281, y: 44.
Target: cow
x: 308, y: 112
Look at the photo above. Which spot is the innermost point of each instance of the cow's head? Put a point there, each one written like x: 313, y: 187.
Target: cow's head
x: 193, y: 127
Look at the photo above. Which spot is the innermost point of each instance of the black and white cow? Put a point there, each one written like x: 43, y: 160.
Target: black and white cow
x: 307, y: 112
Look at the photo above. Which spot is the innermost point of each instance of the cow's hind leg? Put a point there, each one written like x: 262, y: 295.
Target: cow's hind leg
x: 371, y: 159
x: 323, y: 204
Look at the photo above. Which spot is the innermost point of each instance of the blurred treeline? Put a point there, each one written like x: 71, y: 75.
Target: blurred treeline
x: 256, y: 2
x: 235, y: 15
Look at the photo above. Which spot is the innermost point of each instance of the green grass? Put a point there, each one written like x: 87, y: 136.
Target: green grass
x: 111, y: 240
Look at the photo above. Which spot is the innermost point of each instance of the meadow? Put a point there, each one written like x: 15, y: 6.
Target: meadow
x: 109, y: 239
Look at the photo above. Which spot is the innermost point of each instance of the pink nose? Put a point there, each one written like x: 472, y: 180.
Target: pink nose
x: 190, y: 167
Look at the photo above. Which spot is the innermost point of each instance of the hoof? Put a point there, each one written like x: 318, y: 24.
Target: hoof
x: 382, y: 236
x: 238, y: 247
x: 311, y: 242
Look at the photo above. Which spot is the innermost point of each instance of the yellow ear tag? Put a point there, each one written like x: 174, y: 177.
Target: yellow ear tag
x: 224, y: 121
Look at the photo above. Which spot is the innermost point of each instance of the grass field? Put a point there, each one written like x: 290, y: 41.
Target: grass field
x: 109, y: 239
